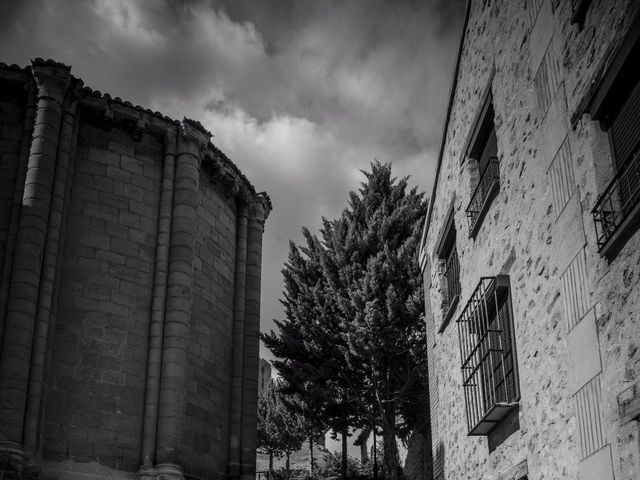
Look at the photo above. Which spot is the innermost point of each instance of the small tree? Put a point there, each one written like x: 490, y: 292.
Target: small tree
x: 313, y: 424
x: 268, y: 430
x: 280, y: 429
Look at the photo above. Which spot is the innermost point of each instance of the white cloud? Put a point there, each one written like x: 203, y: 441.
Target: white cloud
x: 300, y: 95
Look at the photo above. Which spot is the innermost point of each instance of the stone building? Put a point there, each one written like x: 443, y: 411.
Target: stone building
x: 130, y: 251
x: 531, y: 250
x: 264, y: 374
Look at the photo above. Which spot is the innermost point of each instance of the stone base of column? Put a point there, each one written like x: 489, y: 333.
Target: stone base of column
x: 233, y: 470
x: 162, y: 471
x: 11, y: 460
x: 247, y: 472
x: 15, y: 465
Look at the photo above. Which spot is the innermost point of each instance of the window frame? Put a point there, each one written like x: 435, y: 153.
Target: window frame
x: 601, y: 103
x: 488, y: 183
x: 579, y: 10
x: 445, y: 248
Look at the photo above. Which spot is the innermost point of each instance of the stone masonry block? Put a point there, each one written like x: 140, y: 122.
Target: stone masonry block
x: 541, y: 34
x: 568, y: 233
x: 597, y: 466
x: 584, y: 352
x: 105, y: 157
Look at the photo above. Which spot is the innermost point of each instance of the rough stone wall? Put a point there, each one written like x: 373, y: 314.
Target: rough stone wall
x: 574, y: 313
x: 123, y: 323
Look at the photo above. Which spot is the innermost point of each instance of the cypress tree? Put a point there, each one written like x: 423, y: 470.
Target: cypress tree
x: 353, y: 336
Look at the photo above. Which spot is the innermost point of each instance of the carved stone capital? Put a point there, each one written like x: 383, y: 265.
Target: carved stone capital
x: 259, y: 207
x: 195, y: 131
x: 52, y: 79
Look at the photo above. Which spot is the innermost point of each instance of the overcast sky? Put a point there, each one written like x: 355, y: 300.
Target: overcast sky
x: 300, y: 94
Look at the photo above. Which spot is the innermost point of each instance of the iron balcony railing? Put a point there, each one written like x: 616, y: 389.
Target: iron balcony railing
x: 617, y: 201
x: 482, y: 195
x: 487, y: 350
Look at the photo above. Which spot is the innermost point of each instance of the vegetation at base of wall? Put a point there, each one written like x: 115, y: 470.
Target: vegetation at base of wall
x: 329, y: 469
x: 281, y: 429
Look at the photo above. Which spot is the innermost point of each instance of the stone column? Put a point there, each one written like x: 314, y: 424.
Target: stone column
x: 235, y: 404
x: 15, y: 359
x: 156, y: 325
x: 54, y: 241
x: 16, y: 207
x: 258, y: 211
x: 179, y: 299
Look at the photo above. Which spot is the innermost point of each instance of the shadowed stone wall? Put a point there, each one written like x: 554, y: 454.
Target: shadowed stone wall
x: 129, y: 306
x: 575, y: 311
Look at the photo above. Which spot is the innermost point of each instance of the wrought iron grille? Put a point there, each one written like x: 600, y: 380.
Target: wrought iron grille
x: 487, y: 350
x: 617, y: 201
x: 482, y: 195
x: 452, y: 274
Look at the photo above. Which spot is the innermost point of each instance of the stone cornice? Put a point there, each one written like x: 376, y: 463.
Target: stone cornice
x: 110, y: 112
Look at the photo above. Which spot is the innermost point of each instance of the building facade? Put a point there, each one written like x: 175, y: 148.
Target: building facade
x: 264, y: 374
x: 531, y: 249
x: 130, y: 252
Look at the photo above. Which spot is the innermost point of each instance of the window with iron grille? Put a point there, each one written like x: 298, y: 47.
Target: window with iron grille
x: 450, y: 267
x: 482, y: 151
x: 616, y: 104
x: 488, y: 353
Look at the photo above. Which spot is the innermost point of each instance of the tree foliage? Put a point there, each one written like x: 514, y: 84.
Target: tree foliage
x: 353, y: 337
x: 281, y: 429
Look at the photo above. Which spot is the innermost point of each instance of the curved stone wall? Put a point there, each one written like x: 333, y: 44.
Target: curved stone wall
x: 130, y: 288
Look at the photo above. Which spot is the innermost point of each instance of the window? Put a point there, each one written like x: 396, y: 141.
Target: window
x: 579, y: 11
x: 487, y: 349
x: 482, y: 151
x: 616, y: 104
x: 450, y: 267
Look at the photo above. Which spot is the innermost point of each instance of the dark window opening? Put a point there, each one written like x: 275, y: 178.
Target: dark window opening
x: 579, y: 11
x: 448, y: 254
x: 452, y: 275
x: 487, y: 349
x: 483, y: 149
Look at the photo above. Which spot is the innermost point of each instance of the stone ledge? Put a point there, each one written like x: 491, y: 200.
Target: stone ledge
x: 629, y: 404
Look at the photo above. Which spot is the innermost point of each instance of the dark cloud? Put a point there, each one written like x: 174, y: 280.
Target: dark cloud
x: 302, y: 94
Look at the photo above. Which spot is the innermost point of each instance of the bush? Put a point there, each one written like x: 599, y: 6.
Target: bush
x: 330, y: 468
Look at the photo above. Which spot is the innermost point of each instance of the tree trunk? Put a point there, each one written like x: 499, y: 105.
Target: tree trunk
x: 390, y: 459
x: 343, y: 464
x: 286, y: 466
x: 311, y: 455
x: 364, y: 451
x: 270, y: 462
x: 375, y: 454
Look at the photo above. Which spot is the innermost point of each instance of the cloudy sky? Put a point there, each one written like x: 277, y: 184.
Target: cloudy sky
x: 300, y: 94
